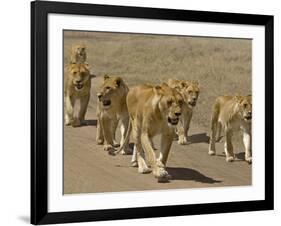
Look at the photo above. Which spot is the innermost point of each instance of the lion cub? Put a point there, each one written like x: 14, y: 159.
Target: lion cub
x: 232, y: 113
x: 190, y: 92
x: 77, y: 85
x: 111, y: 109
x: 78, y: 54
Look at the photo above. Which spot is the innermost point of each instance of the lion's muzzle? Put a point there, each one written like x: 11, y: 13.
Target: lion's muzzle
x: 192, y: 103
x: 106, y: 103
x: 248, y: 117
x: 78, y: 86
x: 173, y: 121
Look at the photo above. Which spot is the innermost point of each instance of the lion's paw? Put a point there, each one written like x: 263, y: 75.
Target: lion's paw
x: 108, y: 147
x: 160, y: 172
x: 248, y: 159
x: 182, y: 140
x: 144, y: 170
x: 68, y: 121
x: 116, y: 145
x: 122, y: 152
x: 211, y: 152
x: 230, y: 159
x: 76, y: 122
x: 134, y: 163
x: 100, y: 141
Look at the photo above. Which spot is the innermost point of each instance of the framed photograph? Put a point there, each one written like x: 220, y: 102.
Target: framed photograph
x: 145, y: 112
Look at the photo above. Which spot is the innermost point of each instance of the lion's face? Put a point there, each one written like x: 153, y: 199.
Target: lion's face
x: 107, y: 94
x: 80, y: 50
x: 190, y: 93
x: 245, y: 106
x: 80, y: 75
x: 170, y: 104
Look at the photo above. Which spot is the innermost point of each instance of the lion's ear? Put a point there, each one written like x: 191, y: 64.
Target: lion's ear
x: 87, y: 66
x: 158, y: 90
x: 105, y: 77
x: 238, y: 99
x: 118, y: 81
x: 70, y: 66
x: 186, y: 84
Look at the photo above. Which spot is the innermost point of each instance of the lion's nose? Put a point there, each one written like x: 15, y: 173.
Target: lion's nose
x: 194, y: 98
x: 177, y: 114
x: 99, y: 96
x: 78, y: 81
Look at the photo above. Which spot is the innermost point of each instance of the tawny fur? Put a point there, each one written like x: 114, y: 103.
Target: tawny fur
x: 78, y: 54
x: 190, y: 92
x: 77, y: 85
x: 111, y: 109
x: 232, y: 113
x: 153, y: 110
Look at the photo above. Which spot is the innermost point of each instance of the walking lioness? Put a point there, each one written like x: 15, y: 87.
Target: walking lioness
x: 111, y: 109
x: 153, y: 110
x: 77, y: 85
x: 232, y: 114
x: 190, y: 93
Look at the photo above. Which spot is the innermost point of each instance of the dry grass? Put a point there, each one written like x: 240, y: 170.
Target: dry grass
x: 222, y: 66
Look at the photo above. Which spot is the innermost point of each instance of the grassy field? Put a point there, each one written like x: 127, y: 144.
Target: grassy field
x: 222, y: 66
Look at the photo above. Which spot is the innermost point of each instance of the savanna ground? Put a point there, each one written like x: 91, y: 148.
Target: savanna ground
x: 222, y: 67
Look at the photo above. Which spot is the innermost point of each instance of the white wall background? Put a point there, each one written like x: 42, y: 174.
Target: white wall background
x: 15, y: 113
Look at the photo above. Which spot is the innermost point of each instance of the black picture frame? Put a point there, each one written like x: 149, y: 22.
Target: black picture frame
x: 39, y: 112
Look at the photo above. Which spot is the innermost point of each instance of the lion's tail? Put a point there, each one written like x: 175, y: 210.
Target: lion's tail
x: 126, y: 141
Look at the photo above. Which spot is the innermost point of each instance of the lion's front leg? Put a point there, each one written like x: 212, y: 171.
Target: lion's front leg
x: 212, y: 141
x: 228, y: 147
x: 106, y: 124
x: 99, y: 135
x: 158, y: 167
x: 134, y: 160
x: 183, y: 129
x: 166, y: 143
x: 247, y: 144
x: 69, y: 110
x: 84, y: 101
x: 113, y: 131
x: 138, y: 154
x: 124, y: 128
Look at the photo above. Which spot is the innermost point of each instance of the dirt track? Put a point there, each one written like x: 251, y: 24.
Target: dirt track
x: 222, y: 67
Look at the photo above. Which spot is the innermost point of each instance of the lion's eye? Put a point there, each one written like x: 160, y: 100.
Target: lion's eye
x: 108, y: 88
x: 189, y: 91
x: 169, y: 102
x: 180, y: 102
x: 245, y: 105
x: 75, y: 72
